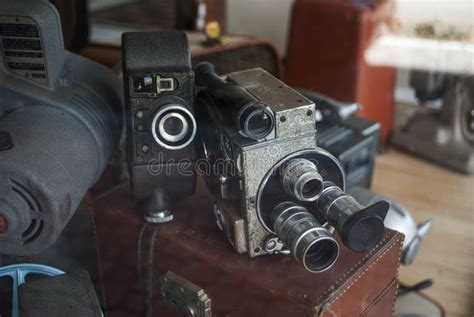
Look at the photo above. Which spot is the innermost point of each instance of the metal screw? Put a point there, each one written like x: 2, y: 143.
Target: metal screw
x: 270, y: 245
x: 139, y: 114
x: 252, y: 201
x: 220, y: 221
x: 159, y: 217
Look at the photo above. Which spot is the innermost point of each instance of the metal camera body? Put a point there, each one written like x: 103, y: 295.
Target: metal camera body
x: 275, y: 190
x: 240, y: 194
x: 60, y: 123
x: 159, y: 90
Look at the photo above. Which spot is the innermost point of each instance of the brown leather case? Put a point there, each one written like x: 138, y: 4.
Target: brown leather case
x: 360, y: 284
x: 325, y: 53
x: 166, y: 14
x: 241, y: 54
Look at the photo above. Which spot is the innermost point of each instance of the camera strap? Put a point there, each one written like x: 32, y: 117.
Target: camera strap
x: 146, y: 245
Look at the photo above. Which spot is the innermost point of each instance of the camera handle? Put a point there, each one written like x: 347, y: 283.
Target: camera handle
x: 231, y: 94
x: 146, y: 245
x: 156, y: 212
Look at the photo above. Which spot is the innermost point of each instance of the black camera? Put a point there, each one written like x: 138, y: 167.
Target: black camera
x: 159, y: 88
x: 351, y: 139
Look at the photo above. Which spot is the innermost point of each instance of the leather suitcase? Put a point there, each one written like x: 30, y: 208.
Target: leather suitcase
x: 193, y: 248
x: 240, y: 54
x: 326, y: 54
x: 164, y: 14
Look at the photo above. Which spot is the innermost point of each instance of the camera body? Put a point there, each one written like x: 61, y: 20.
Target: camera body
x: 276, y: 192
x: 159, y: 90
x: 242, y: 172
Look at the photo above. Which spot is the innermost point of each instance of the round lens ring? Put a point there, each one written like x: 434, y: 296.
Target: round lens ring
x: 173, y: 127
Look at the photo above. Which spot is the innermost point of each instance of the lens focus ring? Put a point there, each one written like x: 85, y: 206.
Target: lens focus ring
x: 311, y: 244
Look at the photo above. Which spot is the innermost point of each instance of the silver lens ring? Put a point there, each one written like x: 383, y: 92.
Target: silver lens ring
x: 169, y: 136
x: 174, y: 141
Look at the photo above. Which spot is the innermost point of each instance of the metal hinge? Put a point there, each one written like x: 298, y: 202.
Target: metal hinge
x: 180, y: 295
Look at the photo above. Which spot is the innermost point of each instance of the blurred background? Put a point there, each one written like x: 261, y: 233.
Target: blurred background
x: 393, y: 81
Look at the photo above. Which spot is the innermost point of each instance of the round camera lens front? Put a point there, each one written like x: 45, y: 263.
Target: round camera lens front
x: 258, y: 122
x: 173, y: 125
x: 312, y: 188
x: 321, y: 255
x: 255, y: 120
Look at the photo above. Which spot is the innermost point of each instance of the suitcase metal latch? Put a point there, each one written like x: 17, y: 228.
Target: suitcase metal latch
x: 184, y: 297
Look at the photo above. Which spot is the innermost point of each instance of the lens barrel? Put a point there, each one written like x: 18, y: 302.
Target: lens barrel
x: 300, y: 178
x: 311, y: 244
x: 360, y: 227
x: 253, y: 119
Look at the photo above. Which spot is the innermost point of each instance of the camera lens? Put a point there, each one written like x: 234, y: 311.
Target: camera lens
x: 255, y: 120
x: 320, y: 254
x: 258, y: 122
x: 360, y: 227
x: 311, y: 188
x: 300, y: 178
x: 173, y: 127
x: 311, y: 244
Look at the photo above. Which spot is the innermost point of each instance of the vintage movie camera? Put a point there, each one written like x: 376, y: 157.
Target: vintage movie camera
x: 159, y: 90
x: 353, y: 140
x: 60, y: 123
x: 275, y: 190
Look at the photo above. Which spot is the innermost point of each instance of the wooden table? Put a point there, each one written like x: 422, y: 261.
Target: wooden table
x: 447, y: 253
